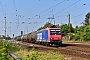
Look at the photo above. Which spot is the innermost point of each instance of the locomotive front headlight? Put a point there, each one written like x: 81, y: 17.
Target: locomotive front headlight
x: 59, y: 38
x: 51, y: 38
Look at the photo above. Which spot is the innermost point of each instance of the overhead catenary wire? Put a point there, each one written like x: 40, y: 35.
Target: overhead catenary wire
x: 66, y: 20
x: 35, y: 9
x: 56, y: 5
x: 4, y: 9
x: 67, y: 7
x: 74, y: 17
x: 61, y: 10
x: 16, y: 15
x: 4, y: 16
x: 15, y: 7
x: 31, y: 11
x: 69, y: 12
x: 49, y: 8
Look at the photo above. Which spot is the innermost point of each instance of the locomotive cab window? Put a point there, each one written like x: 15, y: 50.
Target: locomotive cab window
x: 55, y: 32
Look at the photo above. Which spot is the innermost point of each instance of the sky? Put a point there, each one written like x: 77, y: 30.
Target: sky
x: 29, y: 15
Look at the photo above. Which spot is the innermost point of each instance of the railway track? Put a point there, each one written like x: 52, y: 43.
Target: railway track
x: 72, y: 50
x: 82, y: 45
x: 66, y: 51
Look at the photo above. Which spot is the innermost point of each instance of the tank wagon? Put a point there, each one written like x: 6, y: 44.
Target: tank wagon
x: 30, y: 37
x: 18, y: 38
x: 45, y: 36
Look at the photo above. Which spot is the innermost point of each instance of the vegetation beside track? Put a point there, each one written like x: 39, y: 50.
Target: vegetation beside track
x: 35, y: 55
x: 5, y: 48
x: 4, y: 51
x: 26, y: 54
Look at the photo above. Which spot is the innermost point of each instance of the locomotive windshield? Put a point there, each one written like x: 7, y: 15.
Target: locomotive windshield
x: 55, y: 32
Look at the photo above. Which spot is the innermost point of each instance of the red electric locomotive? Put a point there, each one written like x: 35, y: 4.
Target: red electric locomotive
x: 50, y: 36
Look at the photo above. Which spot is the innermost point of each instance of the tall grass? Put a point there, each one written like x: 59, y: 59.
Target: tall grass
x: 35, y: 55
x: 27, y: 54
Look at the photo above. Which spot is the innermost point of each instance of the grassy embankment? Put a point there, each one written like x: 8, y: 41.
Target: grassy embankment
x: 26, y: 54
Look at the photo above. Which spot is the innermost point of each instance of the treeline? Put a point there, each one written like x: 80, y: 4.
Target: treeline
x: 3, y: 37
x: 81, y: 33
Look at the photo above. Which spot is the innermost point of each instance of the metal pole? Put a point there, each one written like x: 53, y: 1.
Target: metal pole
x: 27, y: 30
x: 54, y: 22
x: 69, y: 22
x: 27, y: 34
x: 5, y: 27
x: 69, y: 25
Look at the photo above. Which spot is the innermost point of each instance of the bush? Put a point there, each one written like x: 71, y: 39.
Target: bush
x: 3, y: 51
x: 75, y: 37
x: 33, y: 56
x: 44, y: 56
x: 4, y: 48
x: 82, y: 34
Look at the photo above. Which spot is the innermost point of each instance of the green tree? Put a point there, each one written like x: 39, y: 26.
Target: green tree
x: 45, y: 26
x: 82, y: 33
x: 40, y: 28
x: 86, y: 34
x: 64, y: 28
x: 87, y: 19
x: 2, y: 37
x: 8, y: 38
